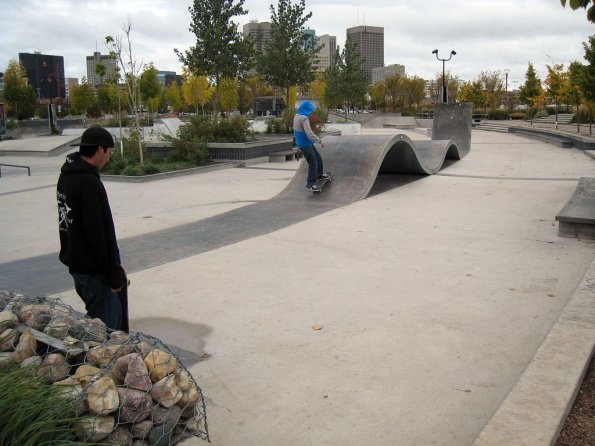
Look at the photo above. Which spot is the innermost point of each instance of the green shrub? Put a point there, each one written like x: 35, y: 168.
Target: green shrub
x: 33, y: 412
x: 131, y: 171
x: 516, y: 115
x: 582, y: 116
x: 541, y: 114
x: 11, y: 124
x: 498, y: 114
x: 149, y: 168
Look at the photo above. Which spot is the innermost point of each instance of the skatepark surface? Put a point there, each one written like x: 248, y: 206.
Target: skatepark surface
x: 440, y: 310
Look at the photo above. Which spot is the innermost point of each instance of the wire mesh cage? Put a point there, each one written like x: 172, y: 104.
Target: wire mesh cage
x: 129, y: 389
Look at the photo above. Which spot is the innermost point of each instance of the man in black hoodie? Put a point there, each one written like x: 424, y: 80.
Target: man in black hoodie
x: 88, y: 245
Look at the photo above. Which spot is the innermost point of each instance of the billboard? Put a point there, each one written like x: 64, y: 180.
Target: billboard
x: 45, y: 74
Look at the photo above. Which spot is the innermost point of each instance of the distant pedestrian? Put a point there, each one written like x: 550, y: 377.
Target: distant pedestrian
x: 305, y: 139
x: 88, y: 245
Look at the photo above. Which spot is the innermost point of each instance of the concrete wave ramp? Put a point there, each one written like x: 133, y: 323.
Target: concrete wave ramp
x: 356, y: 160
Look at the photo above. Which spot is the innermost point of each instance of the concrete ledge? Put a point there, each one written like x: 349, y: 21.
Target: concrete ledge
x: 577, y: 217
x: 173, y: 173
x: 535, y: 410
x: 556, y: 137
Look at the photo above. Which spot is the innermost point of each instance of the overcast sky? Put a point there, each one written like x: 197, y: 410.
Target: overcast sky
x: 487, y: 35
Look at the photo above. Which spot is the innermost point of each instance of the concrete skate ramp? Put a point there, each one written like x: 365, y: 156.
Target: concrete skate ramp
x: 356, y: 160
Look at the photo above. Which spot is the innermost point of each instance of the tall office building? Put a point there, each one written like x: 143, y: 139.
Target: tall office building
x: 45, y: 74
x: 110, y: 63
x: 381, y: 73
x: 326, y: 55
x: 260, y: 32
x: 369, y: 42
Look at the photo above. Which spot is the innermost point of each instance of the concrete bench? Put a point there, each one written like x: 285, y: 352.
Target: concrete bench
x: 281, y: 157
x: 577, y: 217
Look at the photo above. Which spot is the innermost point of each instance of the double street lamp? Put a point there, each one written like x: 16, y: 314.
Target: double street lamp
x: 452, y: 53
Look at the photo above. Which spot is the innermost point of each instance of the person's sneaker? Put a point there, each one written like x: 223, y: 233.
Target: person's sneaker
x: 324, y: 176
x: 313, y: 188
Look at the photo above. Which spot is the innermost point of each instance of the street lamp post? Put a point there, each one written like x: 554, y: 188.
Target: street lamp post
x: 452, y: 53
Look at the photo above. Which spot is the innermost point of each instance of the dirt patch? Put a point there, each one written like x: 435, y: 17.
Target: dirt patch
x: 579, y: 429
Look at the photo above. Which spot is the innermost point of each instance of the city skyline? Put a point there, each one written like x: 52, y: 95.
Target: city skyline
x: 485, y: 34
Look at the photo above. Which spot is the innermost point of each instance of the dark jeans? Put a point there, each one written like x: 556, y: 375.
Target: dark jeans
x: 315, y: 168
x: 100, y: 301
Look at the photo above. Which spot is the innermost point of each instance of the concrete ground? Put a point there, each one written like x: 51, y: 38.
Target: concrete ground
x: 403, y: 319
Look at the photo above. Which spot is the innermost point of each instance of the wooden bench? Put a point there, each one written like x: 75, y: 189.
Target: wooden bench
x: 577, y: 217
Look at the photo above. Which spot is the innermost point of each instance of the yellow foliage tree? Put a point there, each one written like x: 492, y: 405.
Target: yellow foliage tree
x: 196, y: 90
x: 318, y: 88
x: 228, y: 93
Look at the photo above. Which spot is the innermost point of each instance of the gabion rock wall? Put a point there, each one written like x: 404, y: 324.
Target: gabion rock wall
x: 131, y: 390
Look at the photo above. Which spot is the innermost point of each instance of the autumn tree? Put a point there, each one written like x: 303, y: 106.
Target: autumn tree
x: 228, y: 94
x: 196, y: 90
x: 18, y: 94
x: 318, y: 88
x: 220, y: 51
x: 172, y: 97
x: 493, y: 88
x: 472, y: 91
x: 531, y: 91
x: 82, y: 98
x: 377, y: 94
x: 286, y: 60
x: 415, y: 91
x: 394, y: 90
x: 150, y: 88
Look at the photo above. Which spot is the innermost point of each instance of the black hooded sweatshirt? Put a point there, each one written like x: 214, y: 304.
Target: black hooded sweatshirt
x: 87, y: 236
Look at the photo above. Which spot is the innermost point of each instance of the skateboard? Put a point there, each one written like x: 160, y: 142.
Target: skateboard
x: 322, y: 183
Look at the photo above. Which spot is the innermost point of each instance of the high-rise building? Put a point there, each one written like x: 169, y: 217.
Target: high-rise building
x: 45, y: 74
x: 369, y: 41
x: 326, y: 55
x: 71, y: 82
x: 381, y: 73
x: 110, y: 63
x: 260, y: 32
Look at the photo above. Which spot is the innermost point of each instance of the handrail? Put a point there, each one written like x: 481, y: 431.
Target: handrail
x: 15, y: 165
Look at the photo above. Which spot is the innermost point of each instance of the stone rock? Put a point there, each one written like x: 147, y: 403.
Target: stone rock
x: 102, y: 396
x: 103, y: 355
x: 144, y: 348
x: 142, y: 429
x: 36, y: 316
x: 6, y: 358
x: 183, y: 380
x: 160, y: 435
x: 8, y: 339
x: 166, y: 392
x: 189, y: 398
x: 58, y: 327
x: 119, y: 337
x: 7, y: 320
x: 54, y: 367
x: 93, y: 429
x: 120, y: 436
x: 32, y: 361
x: 140, y: 443
x: 71, y: 388
x: 135, y: 405
x: 160, y: 364
x: 195, y: 424
x: 26, y: 347
x: 163, y: 415
x: 89, y: 330
x: 137, y: 375
x: 85, y: 373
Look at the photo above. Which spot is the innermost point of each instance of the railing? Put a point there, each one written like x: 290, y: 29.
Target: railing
x: 14, y: 165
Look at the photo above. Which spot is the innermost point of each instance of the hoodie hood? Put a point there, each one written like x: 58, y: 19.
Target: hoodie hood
x: 75, y: 164
x: 306, y: 108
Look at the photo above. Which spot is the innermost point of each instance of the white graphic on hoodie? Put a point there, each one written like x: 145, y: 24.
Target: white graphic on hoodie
x: 63, y: 211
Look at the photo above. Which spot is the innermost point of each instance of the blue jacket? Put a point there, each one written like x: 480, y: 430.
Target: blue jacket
x: 304, y: 136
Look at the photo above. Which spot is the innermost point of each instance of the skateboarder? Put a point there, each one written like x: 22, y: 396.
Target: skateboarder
x: 305, y: 139
x: 88, y: 245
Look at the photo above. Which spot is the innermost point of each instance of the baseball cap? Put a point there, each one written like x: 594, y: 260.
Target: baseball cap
x: 96, y: 136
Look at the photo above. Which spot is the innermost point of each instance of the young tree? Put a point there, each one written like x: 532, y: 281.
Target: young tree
x: 150, y: 87
x: 318, y: 88
x: 196, y: 90
x: 220, y: 51
x: 473, y: 92
x: 493, y: 87
x: 353, y: 77
x: 557, y: 84
x: 378, y: 94
x: 229, y: 94
x: 82, y: 98
x: 574, y: 93
x: 394, y: 90
x: 286, y: 60
x: 171, y: 95
x: 131, y: 69
x: 415, y: 90
x: 334, y: 92
x: 18, y: 94
x: 532, y: 86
